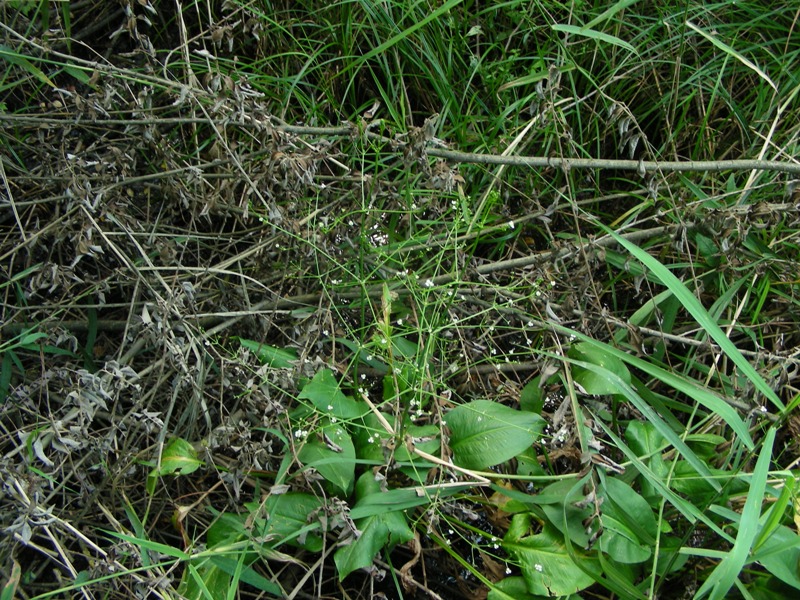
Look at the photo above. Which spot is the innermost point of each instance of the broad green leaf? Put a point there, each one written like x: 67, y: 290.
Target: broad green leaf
x: 511, y: 588
x: 648, y: 445
x: 289, y: 517
x: 385, y: 529
x: 560, y: 505
x: 363, y: 355
x: 629, y: 526
x: 618, y: 578
x: 724, y: 575
x: 780, y: 555
x: 531, y: 398
x: 330, y: 451
x: 403, y: 499
x: 670, y: 559
x: 226, y: 529
x: 692, y: 304
x: 204, y: 582
x: 245, y: 574
x: 328, y: 398
x: 485, y: 433
x: 404, y: 347
x: 644, y: 439
x: 372, y: 440
x: 280, y: 358
x: 179, y: 458
x: 591, y: 381
x: 546, y: 566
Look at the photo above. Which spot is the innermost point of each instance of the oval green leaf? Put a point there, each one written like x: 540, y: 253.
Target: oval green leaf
x: 485, y: 433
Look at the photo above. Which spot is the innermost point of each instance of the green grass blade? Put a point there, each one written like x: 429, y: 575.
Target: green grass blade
x: 446, y: 7
x: 686, y: 508
x: 730, y: 51
x: 595, y: 35
x: 610, y: 12
x: 692, y: 304
x: 703, y: 396
x: 776, y: 512
x: 724, y: 575
x: 145, y: 544
x: 9, y: 591
x: 647, y: 411
x: 21, y: 61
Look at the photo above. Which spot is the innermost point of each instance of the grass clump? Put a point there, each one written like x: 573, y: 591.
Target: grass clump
x: 458, y: 299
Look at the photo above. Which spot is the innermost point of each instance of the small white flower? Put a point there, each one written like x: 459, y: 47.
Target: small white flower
x: 508, y: 570
x: 399, y: 321
x: 511, y: 224
x: 428, y: 283
x: 538, y: 567
x: 363, y: 376
x: 330, y: 406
